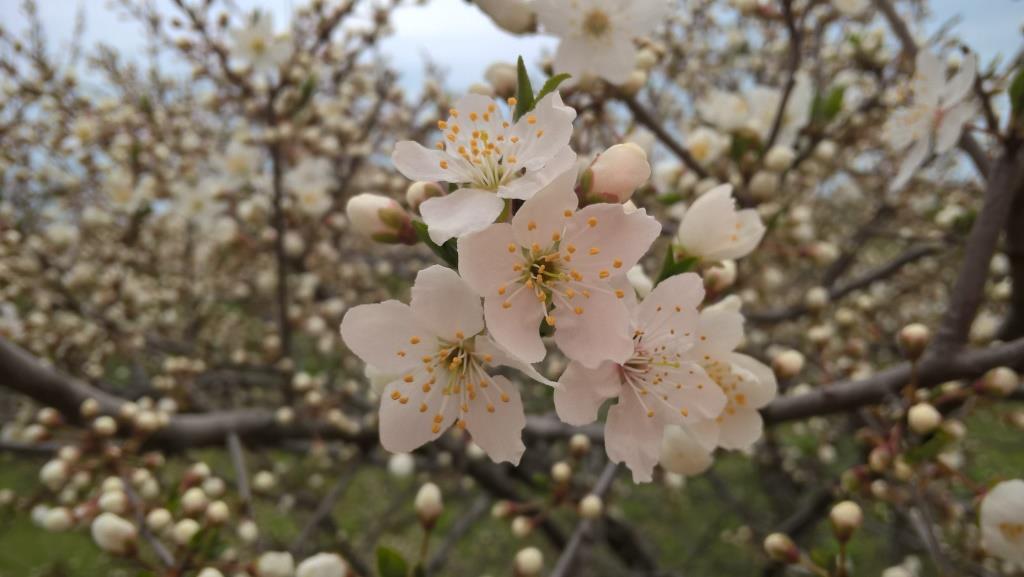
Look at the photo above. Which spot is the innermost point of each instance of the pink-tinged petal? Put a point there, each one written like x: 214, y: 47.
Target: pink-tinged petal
x: 762, y: 388
x: 911, y: 162
x: 669, y: 313
x: 514, y: 322
x: 714, y: 230
x: 409, y: 416
x: 556, y: 16
x: 952, y: 125
x: 687, y: 394
x: 593, y: 329
x: 417, y: 162
x: 387, y: 335
x: 460, y: 213
x: 524, y: 187
x: 582, y: 391
x: 962, y: 82
x: 485, y: 261
x: 683, y: 453
x: 485, y: 345
x: 605, y: 241
x: 907, y: 125
x: 740, y: 429
x: 542, y: 219
x: 719, y: 329
x: 633, y: 438
x: 495, y: 420
x: 617, y: 58
x: 706, y: 432
x: 446, y: 304
x: 929, y: 78
x: 628, y: 292
x: 541, y: 134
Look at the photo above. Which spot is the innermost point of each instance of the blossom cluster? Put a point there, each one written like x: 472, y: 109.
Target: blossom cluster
x: 543, y: 248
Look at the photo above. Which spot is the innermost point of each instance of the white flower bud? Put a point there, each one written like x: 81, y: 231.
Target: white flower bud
x: 89, y: 408
x: 264, y: 481
x: 322, y: 565
x: 721, y: 276
x: 194, y: 501
x: 58, y: 519
x: 514, y: 16
x: 401, y: 465
x: 114, y: 501
x: 923, y: 418
x: 54, y: 474
x: 113, y: 534
x: 561, y: 472
x: 1000, y: 381
x: 210, y: 572
x: 781, y: 548
x: 579, y: 445
x: 275, y: 564
x: 779, y: 158
x: 428, y: 504
x: 846, y: 518
x: 420, y: 191
x: 522, y: 526
x: 817, y: 298
x: 788, y: 364
x: 913, y: 339
x: 158, y: 519
x: 763, y: 185
x: 218, y: 513
x: 529, y: 562
x: 591, y: 507
x: 105, y: 426
x: 616, y: 174
x: 248, y: 532
x: 184, y: 531
x: 380, y: 218
x: 503, y: 77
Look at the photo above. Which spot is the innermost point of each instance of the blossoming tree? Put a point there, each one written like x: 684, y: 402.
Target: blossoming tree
x: 660, y: 303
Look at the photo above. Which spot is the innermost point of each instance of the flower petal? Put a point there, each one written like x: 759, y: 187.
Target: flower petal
x: 669, y: 313
x: 911, y: 162
x: 462, y: 212
x: 446, y: 304
x: 607, y: 241
x: 633, y: 438
x: 516, y: 327
x: 542, y: 220
x: 962, y: 82
x: 582, y: 391
x: 762, y: 389
x: 682, y: 453
x: 719, y: 330
x: 524, y: 187
x: 542, y: 133
x: 409, y: 416
x: 417, y: 162
x: 485, y: 345
x: 387, y: 335
x: 952, y: 125
x: 929, y: 78
x: 593, y: 329
x: 495, y: 420
x: 485, y: 261
x: 740, y: 429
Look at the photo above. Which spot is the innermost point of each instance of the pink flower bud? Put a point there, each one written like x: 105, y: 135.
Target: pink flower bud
x: 615, y: 174
x: 380, y: 218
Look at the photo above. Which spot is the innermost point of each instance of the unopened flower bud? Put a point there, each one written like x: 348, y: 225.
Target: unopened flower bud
x: 428, y: 504
x: 529, y: 562
x: 1000, y: 381
x: 275, y: 564
x: 218, y: 513
x: 779, y: 158
x: 561, y: 472
x: 104, y: 426
x: 788, y: 364
x: 579, y: 445
x: 591, y: 507
x: 194, y: 501
x: 923, y: 418
x: 184, y: 531
x: 89, y: 408
x: 380, y: 218
x: 158, y: 519
x: 721, y: 276
x: 113, y: 534
x: 522, y: 526
x: 781, y: 548
x: 503, y: 78
x: 913, y: 339
x: 58, y: 519
x: 322, y: 565
x: 420, y: 191
x: 846, y: 518
x: 615, y: 174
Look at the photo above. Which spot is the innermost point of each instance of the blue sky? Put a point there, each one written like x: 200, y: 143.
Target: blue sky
x: 455, y: 34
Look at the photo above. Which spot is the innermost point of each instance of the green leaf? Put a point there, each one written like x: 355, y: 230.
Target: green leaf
x: 524, y: 91
x: 671, y: 267
x: 448, y: 252
x: 551, y: 85
x: 391, y: 564
x: 827, y: 107
x: 930, y: 448
x: 1016, y: 93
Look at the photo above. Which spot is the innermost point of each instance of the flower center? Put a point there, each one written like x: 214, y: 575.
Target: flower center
x: 1012, y: 531
x: 596, y: 23
x: 258, y: 45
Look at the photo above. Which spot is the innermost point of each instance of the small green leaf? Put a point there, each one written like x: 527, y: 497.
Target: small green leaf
x: 391, y: 564
x: 671, y: 267
x: 448, y: 252
x: 1016, y: 93
x: 827, y: 107
x: 524, y: 91
x: 552, y: 85
x: 930, y: 448
x: 669, y: 198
